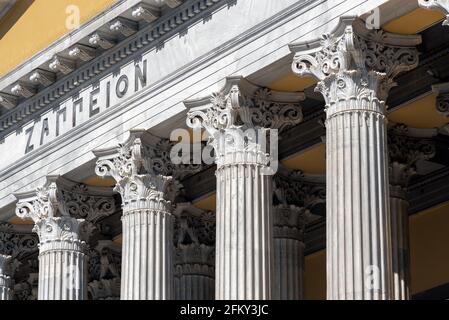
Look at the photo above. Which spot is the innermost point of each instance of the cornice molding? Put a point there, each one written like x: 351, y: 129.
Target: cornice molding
x: 37, y: 100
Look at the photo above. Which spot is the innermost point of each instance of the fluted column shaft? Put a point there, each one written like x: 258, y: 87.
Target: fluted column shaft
x: 358, y: 225
x: 355, y: 67
x: 62, y: 270
x: 400, y: 243
x: 194, y: 282
x: 6, y: 281
x: 288, y: 255
x: 244, y: 255
x: 147, y: 252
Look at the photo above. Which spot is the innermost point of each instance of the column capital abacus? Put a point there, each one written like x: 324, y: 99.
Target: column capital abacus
x: 406, y: 146
x: 355, y: 66
x: 104, y: 271
x: 439, y: 5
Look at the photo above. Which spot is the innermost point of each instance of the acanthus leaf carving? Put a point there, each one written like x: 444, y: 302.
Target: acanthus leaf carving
x: 404, y: 151
x: 16, y: 244
x: 354, y: 63
x: 143, y: 170
x: 239, y: 118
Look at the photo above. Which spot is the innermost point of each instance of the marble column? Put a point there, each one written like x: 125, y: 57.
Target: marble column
x: 62, y: 252
x: 6, y: 281
x: 194, y: 253
x: 236, y: 119
x: 439, y: 5
x: 405, y: 150
x: 355, y: 68
x: 143, y: 174
x: 289, y: 224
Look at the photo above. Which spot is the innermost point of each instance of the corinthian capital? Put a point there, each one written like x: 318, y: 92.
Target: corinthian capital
x: 297, y: 189
x: 194, y: 240
x: 142, y: 168
x: 242, y: 105
x: 294, y: 196
x: 439, y: 5
x: 353, y: 62
x: 406, y: 146
x: 61, y: 208
x: 442, y: 101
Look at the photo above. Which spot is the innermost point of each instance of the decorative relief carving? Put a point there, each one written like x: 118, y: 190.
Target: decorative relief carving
x: 42, y: 77
x: 24, y: 90
x: 99, y: 39
x: 355, y: 64
x: 63, y: 65
x: 8, y: 101
x: 104, y: 261
x: 243, y: 105
x: 442, y: 100
x: 146, y: 12
x: 104, y: 289
x: 27, y: 289
x: 292, y: 188
x: 81, y: 204
x: 440, y: 5
x: 233, y: 117
x: 194, y: 241
x: 16, y: 244
x: 104, y: 271
x: 405, y: 150
x: 293, y: 197
x: 143, y: 170
x: 81, y: 52
x: 123, y: 26
x: 60, y: 210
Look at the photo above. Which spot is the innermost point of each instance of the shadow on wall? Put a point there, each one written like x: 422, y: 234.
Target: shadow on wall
x: 13, y: 15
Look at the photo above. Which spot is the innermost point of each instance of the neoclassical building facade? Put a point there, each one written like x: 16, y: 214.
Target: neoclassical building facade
x: 224, y: 150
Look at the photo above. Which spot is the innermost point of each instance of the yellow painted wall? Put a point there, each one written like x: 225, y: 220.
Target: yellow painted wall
x: 32, y: 25
x: 429, y: 242
x: 414, y: 22
x: 315, y: 276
